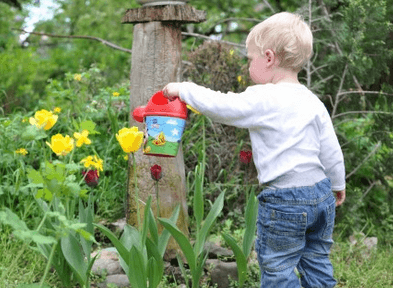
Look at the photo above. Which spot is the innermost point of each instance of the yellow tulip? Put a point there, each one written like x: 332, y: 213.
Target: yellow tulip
x: 61, y: 145
x: 43, y: 118
x: 130, y: 139
x: 82, y: 138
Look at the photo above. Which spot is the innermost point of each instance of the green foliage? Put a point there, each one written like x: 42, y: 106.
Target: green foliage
x: 243, y: 253
x: 217, y: 66
x: 142, y: 256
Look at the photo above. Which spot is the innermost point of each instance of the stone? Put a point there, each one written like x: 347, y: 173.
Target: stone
x: 120, y: 280
x: 118, y: 225
x: 221, y: 272
x: 107, y: 266
x: 371, y: 242
x: 107, y: 253
x: 367, y: 245
x: 173, y: 271
x: 216, y: 251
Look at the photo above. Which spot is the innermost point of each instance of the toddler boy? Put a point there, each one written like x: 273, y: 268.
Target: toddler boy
x: 295, y: 151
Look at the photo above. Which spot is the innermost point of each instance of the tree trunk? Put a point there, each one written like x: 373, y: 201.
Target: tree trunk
x: 156, y: 61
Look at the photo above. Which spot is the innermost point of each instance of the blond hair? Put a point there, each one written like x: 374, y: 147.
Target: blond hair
x: 288, y: 36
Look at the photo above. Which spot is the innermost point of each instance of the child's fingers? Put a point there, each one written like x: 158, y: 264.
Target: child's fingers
x: 340, y: 197
x: 171, y: 91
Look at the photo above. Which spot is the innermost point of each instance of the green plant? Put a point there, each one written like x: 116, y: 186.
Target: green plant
x: 194, y: 254
x: 142, y: 256
x: 248, y: 240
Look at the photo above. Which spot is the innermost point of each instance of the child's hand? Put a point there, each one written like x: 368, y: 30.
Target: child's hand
x: 340, y: 197
x: 171, y: 91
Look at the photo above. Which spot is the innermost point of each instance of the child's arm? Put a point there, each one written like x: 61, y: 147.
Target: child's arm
x: 332, y: 158
x: 243, y: 110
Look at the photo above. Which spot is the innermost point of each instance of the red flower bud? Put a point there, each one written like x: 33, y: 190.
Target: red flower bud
x: 155, y: 171
x: 245, y: 156
x: 91, y: 177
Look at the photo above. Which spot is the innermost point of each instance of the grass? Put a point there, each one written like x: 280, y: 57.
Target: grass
x: 19, y: 264
x: 354, y: 267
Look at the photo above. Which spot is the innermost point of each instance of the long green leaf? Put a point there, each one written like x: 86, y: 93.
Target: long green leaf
x: 198, y: 196
x: 153, y: 273
x: 152, y: 252
x: 153, y: 227
x: 240, y: 258
x: 119, y: 246
x: 145, y: 226
x: 74, y: 256
x: 137, y: 269
x: 86, y: 215
x: 197, y: 274
x: 211, y: 217
x: 131, y: 237
x: 182, y: 240
x: 164, y: 237
x: 251, y: 224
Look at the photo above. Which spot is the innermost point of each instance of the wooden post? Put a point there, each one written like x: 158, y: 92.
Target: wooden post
x: 156, y: 61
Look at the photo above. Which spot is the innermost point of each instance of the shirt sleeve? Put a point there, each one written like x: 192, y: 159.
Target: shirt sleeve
x: 331, y: 155
x: 239, y: 110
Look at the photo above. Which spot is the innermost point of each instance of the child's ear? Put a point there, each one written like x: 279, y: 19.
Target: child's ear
x: 271, y: 57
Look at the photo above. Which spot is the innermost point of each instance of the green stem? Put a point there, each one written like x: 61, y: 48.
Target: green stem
x: 45, y: 215
x: 136, y: 192
x: 52, y: 253
x: 158, y: 201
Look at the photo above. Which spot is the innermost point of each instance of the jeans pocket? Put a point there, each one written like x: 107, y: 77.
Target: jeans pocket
x: 330, y: 214
x: 286, y: 230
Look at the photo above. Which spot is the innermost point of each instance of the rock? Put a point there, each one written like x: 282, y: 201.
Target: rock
x: 371, y: 242
x: 107, y: 253
x: 221, y: 271
x: 368, y: 243
x: 110, y: 266
x: 353, y: 238
x: 173, y: 271
x: 120, y: 280
x: 216, y: 251
x: 118, y: 225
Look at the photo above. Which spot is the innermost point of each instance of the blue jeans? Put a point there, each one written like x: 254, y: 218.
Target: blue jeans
x: 294, y: 229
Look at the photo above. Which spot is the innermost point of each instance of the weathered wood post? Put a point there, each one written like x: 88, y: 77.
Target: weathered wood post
x: 156, y: 61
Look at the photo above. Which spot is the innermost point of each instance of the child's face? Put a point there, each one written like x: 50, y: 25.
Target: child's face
x: 260, y: 68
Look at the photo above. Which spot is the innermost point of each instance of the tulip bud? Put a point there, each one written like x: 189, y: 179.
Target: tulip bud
x: 91, y: 178
x: 155, y: 171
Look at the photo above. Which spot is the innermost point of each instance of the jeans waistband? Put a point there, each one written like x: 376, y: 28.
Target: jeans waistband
x: 306, y: 195
x: 307, y: 178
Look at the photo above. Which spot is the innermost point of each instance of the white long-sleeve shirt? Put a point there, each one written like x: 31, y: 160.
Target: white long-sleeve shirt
x: 290, y: 129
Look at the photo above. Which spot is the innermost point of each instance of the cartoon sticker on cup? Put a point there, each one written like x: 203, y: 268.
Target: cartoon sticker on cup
x: 146, y: 148
x: 163, y: 135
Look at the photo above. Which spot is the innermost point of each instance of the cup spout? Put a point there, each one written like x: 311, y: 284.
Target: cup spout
x: 138, y: 113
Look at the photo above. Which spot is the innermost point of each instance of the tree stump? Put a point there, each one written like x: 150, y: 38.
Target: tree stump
x: 156, y: 61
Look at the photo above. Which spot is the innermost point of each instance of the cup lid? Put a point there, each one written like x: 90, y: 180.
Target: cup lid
x: 159, y: 105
